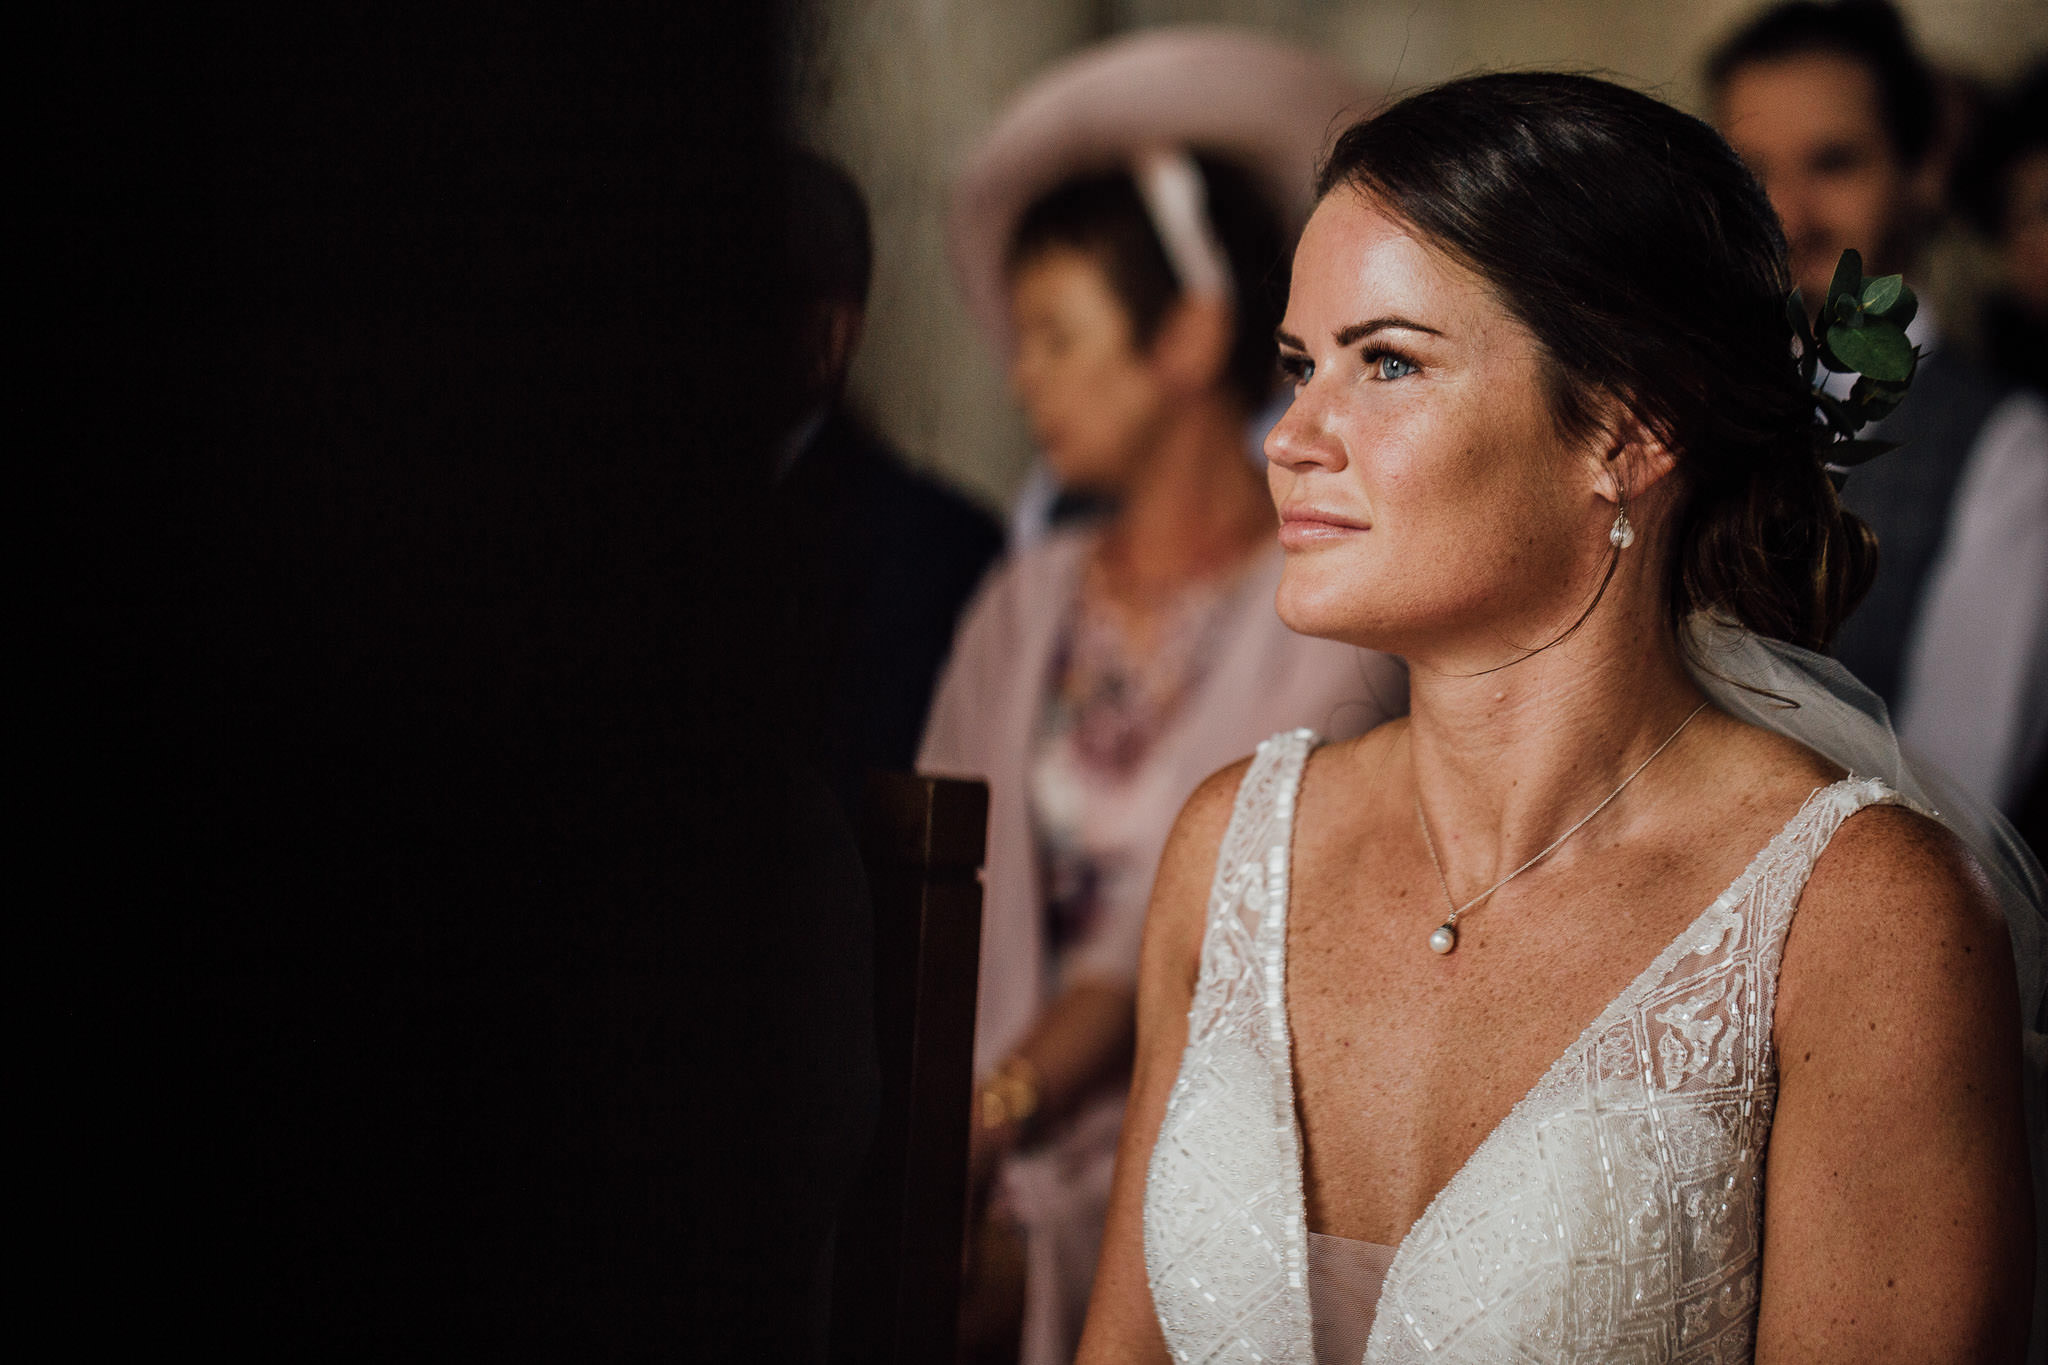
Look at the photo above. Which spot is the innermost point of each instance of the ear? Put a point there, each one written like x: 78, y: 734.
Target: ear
x: 1192, y: 348
x: 1633, y: 458
x: 837, y: 327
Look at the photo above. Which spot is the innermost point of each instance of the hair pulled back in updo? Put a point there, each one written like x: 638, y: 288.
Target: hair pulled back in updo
x: 1648, y: 264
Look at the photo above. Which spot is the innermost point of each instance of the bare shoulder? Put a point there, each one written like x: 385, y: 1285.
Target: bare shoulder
x: 1199, y: 828
x: 1896, y: 921
x: 1210, y: 805
x: 1897, y: 1210
x: 1894, y: 865
x: 1180, y: 893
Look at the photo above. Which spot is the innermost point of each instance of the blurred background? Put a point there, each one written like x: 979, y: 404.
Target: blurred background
x: 900, y: 90
x: 428, y: 822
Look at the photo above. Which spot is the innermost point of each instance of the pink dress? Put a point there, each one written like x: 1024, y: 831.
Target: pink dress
x: 1082, y: 795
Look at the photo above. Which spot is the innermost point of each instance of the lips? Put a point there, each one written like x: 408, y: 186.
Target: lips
x: 1302, y: 524
x: 1309, y: 516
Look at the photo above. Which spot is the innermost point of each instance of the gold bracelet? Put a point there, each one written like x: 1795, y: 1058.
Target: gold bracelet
x: 1010, y: 1094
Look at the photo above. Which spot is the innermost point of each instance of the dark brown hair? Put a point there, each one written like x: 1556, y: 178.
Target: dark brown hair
x: 1648, y: 265
x: 1104, y: 215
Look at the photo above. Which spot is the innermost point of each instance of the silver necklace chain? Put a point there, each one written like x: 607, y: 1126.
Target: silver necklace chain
x: 1445, y: 937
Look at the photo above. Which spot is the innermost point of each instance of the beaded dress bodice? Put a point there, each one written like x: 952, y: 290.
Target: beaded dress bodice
x: 1614, y: 1214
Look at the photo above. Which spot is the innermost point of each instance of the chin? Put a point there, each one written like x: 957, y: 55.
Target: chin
x: 1085, y: 469
x: 1314, y: 605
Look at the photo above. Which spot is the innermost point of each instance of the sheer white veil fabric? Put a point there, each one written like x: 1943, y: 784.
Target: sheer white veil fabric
x: 1813, y: 699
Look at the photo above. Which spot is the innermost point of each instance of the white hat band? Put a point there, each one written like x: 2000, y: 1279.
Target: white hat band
x: 1171, y: 185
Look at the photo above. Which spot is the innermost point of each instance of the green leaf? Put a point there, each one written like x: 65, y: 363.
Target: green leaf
x: 1881, y: 293
x: 1874, y: 399
x: 1835, y: 412
x: 1878, y: 349
x: 1829, y: 358
x: 1849, y: 454
x: 1802, y: 334
x: 1848, y: 278
x: 1801, y: 320
x: 1869, y: 388
x: 1901, y: 313
x: 1863, y: 414
x: 1845, y: 311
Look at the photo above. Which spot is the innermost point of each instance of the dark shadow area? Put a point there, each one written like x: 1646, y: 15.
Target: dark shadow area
x: 452, y: 957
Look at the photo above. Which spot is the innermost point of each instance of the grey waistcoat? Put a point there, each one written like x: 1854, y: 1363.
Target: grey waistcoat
x: 1906, y: 497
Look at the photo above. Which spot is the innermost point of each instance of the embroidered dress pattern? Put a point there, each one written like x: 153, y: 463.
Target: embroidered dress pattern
x: 1613, y: 1215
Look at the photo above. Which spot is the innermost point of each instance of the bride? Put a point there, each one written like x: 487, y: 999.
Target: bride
x: 1473, y: 1038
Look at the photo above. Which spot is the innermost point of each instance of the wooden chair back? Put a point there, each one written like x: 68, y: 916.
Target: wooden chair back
x: 896, y: 1278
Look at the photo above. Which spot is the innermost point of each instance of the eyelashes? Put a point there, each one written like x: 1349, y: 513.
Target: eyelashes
x: 1379, y: 364
x: 1389, y: 365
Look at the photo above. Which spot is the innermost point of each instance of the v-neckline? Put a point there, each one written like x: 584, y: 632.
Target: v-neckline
x: 1658, y: 967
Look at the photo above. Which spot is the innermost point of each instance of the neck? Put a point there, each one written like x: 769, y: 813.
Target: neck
x: 1504, y: 762
x: 1196, y: 501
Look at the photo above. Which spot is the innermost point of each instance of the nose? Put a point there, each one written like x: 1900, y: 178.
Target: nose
x: 1301, y: 439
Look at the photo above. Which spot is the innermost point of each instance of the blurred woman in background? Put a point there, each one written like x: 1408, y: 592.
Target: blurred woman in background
x: 1134, y: 276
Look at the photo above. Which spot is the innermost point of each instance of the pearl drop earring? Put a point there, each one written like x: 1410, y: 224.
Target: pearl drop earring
x: 1621, y: 535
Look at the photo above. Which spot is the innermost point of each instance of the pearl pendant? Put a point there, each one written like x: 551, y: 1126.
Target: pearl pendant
x: 1621, y: 535
x: 1443, y: 939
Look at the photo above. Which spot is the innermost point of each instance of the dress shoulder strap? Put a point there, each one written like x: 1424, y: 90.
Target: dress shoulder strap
x: 1251, y: 866
x: 1753, y: 917
x: 1265, y: 795
x: 1224, y: 1236
x: 1779, y: 876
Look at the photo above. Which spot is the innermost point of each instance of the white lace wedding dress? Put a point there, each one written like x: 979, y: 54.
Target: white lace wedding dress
x: 1612, y: 1216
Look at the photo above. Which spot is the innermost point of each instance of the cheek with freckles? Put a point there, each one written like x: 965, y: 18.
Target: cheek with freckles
x: 1429, y: 492
x: 1481, y: 530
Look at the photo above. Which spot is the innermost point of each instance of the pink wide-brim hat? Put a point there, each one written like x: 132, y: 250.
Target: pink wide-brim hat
x: 1270, y: 106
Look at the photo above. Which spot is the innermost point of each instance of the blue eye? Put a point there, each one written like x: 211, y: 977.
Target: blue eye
x: 1295, y: 370
x: 1387, y: 365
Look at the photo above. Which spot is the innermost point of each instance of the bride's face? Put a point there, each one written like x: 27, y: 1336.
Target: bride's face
x: 1427, y: 498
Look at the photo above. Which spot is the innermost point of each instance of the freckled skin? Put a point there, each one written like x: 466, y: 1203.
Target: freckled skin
x: 1460, y: 455
x: 1485, y: 531
x: 1455, y: 1044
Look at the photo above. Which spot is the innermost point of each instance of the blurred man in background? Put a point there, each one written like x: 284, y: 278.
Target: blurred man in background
x: 1835, y: 111
x: 2005, y: 188
x: 884, y: 559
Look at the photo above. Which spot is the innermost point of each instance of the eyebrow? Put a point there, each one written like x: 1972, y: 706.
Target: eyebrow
x: 1356, y: 332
